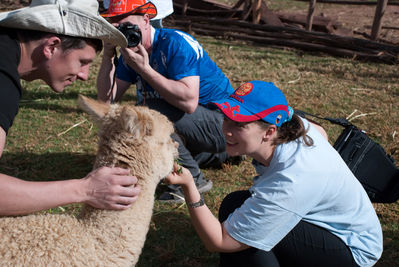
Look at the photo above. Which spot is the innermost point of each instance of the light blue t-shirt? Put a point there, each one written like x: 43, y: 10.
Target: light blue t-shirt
x: 176, y: 55
x: 312, y: 184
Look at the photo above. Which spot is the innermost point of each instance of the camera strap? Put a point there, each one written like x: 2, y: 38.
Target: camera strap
x: 340, y: 121
x: 115, y: 61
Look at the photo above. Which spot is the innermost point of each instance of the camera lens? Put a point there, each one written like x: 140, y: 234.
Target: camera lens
x: 132, y: 33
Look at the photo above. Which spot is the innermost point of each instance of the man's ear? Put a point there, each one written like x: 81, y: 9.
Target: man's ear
x: 50, y: 46
x: 147, y: 20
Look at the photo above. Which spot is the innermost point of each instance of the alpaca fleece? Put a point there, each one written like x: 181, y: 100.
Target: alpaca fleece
x: 131, y: 137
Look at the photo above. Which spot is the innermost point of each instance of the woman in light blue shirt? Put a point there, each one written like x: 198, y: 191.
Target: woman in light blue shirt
x: 305, y: 208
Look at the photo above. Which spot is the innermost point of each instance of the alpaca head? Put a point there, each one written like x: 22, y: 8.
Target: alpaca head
x: 134, y: 137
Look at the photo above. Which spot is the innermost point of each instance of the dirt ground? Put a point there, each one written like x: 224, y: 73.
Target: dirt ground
x: 356, y: 18
x: 359, y: 19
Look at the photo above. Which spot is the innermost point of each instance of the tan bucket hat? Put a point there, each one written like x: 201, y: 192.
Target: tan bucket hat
x: 79, y: 18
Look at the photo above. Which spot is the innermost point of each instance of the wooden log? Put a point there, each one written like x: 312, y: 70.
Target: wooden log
x: 188, y: 10
x: 269, y: 28
x: 237, y: 6
x: 247, y: 10
x: 379, y: 57
x: 203, y: 4
x: 327, y: 41
x: 323, y: 24
x: 379, y: 13
x: 384, y: 27
x: 286, y: 32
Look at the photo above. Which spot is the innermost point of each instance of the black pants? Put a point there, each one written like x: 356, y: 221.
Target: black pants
x: 306, y: 245
x: 199, y: 134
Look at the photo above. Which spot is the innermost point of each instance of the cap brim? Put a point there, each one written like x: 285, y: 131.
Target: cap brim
x: 236, y: 112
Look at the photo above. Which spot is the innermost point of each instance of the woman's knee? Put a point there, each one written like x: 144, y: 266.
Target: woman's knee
x: 231, y: 202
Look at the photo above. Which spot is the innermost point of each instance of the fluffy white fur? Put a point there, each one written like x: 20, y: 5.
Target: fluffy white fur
x: 133, y: 137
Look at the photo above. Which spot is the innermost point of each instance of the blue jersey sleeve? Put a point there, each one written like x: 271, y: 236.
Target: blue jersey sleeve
x: 124, y: 72
x: 183, y: 56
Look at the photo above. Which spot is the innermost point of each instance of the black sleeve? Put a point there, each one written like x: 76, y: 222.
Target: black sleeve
x: 9, y: 101
x: 10, y: 87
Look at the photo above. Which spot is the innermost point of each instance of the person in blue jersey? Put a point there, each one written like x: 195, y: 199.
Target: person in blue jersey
x: 174, y: 75
x: 305, y: 207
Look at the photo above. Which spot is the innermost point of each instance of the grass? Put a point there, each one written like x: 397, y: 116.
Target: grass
x: 43, y: 145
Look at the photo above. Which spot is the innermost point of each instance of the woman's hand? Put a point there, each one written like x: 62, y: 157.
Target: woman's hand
x: 179, y: 175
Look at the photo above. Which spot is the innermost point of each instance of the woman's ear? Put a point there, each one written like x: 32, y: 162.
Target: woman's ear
x: 270, y: 132
x: 50, y: 46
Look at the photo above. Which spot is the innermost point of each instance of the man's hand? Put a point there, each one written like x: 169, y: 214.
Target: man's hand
x: 109, y: 50
x: 111, y: 188
x: 136, y: 57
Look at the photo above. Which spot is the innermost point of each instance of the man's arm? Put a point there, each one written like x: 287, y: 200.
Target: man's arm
x: 107, y: 89
x: 106, y: 188
x: 183, y: 94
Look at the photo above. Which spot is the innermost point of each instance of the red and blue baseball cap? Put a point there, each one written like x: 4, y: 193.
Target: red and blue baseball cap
x: 256, y: 100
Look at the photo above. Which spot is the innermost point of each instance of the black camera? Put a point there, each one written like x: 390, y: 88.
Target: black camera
x: 132, y: 33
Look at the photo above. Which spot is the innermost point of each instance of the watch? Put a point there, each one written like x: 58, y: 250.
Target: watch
x: 194, y: 205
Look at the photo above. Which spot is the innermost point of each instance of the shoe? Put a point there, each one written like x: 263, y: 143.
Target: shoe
x: 177, y: 196
x: 172, y: 196
x: 205, y: 186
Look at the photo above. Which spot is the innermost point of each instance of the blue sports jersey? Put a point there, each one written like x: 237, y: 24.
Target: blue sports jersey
x: 311, y: 184
x: 176, y: 55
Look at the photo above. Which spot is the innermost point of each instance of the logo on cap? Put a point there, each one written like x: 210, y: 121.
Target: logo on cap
x: 244, y: 89
x: 278, y: 118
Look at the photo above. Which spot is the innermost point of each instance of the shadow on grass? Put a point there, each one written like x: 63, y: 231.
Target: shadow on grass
x: 46, y: 167
x: 48, y: 94
x: 172, y: 241
x: 45, y: 100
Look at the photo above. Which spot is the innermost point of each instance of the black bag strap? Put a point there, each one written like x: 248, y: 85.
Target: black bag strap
x: 340, y: 121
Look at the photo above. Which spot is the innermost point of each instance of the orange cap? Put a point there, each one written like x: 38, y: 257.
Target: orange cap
x: 130, y: 7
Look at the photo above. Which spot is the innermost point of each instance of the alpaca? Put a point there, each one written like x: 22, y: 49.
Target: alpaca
x: 133, y: 137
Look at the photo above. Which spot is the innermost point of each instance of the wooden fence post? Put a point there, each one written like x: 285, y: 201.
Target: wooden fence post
x: 309, y: 22
x: 256, y: 11
x: 379, y: 12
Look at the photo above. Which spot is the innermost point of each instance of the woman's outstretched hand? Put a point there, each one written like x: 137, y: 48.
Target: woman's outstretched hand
x: 179, y: 175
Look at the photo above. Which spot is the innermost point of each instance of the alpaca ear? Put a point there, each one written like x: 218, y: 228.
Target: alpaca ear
x: 137, y: 122
x: 96, y: 109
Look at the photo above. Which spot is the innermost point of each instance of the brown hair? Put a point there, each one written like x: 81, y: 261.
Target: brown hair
x: 290, y: 131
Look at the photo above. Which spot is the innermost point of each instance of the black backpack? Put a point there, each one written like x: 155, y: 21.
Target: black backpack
x: 372, y: 166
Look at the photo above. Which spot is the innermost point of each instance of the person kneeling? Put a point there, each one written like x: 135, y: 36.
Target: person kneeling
x: 305, y: 207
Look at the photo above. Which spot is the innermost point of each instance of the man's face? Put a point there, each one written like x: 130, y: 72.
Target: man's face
x: 141, y: 21
x: 65, y: 67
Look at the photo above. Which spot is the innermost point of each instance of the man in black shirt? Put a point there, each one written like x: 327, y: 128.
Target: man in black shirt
x: 55, y: 41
